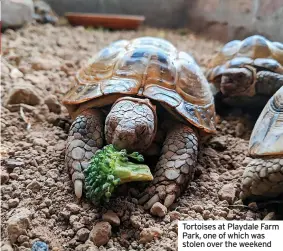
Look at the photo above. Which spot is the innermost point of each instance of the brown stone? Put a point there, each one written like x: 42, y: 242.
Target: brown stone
x: 18, y: 223
x: 148, y: 234
x: 158, y: 209
x: 111, y: 217
x: 25, y: 94
x: 101, y: 233
x: 227, y: 192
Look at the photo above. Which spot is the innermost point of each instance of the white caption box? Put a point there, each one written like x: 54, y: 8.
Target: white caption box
x: 230, y: 235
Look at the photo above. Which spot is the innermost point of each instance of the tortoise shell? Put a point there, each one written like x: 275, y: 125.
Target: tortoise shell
x: 256, y: 51
x: 267, y: 135
x: 145, y: 67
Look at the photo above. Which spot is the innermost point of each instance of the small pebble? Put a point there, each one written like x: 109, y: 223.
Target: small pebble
x: 4, y: 177
x: 100, y: 233
x: 7, y: 247
x: 18, y: 223
x: 228, y: 193
x: 82, y: 234
x: 73, y: 208
x: 13, y: 202
x: 158, y: 209
x: 148, y: 234
x: 111, y: 217
x: 197, y: 208
x: 34, y: 185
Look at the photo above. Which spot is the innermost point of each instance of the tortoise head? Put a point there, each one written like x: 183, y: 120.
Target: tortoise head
x: 238, y: 82
x: 131, y: 124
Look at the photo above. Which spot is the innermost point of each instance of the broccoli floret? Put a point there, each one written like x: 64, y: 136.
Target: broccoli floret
x: 109, y: 168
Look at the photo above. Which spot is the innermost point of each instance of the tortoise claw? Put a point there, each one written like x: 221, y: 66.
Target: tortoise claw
x: 150, y: 203
x: 78, y: 185
x: 169, y: 200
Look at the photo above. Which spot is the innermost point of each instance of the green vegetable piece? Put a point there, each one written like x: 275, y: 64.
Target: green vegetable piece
x: 109, y: 168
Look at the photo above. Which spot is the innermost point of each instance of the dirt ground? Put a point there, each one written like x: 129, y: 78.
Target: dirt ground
x: 42, y: 61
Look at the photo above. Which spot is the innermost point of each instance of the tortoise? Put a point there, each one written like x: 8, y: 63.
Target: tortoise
x: 249, y: 74
x: 138, y: 95
x: 263, y: 176
x: 246, y: 73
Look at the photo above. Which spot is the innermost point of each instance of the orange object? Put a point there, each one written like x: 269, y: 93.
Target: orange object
x: 105, y: 20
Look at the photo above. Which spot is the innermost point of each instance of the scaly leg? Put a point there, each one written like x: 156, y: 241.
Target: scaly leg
x: 267, y: 83
x: 85, y: 138
x: 262, y: 179
x: 175, y: 167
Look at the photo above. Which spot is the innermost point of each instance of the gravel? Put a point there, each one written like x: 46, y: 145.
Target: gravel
x: 33, y: 175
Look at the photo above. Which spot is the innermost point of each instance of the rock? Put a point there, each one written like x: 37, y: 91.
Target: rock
x: 15, y: 73
x: 87, y: 247
x: 174, y: 215
x: 73, y: 219
x: 25, y: 94
x: 53, y: 105
x: 227, y: 192
x: 13, y: 202
x: 240, y: 129
x: 158, y: 209
x: 16, y: 13
x: 197, y: 208
x: 40, y: 142
x: 73, y: 208
x: 101, y: 233
x: 12, y: 163
x: 65, y: 214
x: 23, y: 238
x: 82, y: 234
x: 34, y: 185
x: 148, y: 234
x: 46, y: 64
x: 7, y: 247
x: 77, y: 226
x: 135, y: 221
x: 206, y: 214
x: 111, y: 217
x: 18, y: 223
x: 230, y: 215
x: 4, y: 177
x: 60, y: 146
x: 39, y: 246
x: 219, y: 143
x: 13, y: 176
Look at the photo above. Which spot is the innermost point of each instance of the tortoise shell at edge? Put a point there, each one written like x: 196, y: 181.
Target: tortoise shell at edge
x: 255, y: 50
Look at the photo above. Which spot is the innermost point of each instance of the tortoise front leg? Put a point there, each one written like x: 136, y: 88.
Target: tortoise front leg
x: 267, y: 83
x: 85, y: 138
x: 175, y: 167
x: 262, y: 179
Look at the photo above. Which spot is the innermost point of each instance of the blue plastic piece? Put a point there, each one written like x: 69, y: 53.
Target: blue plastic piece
x: 39, y: 246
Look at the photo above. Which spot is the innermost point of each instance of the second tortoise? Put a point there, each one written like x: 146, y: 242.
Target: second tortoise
x: 247, y: 73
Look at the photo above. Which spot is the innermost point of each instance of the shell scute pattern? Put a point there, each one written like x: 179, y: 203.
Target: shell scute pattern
x: 149, y: 67
x: 267, y: 135
x: 255, y: 50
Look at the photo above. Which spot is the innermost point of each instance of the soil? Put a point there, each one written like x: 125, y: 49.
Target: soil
x: 43, y: 60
